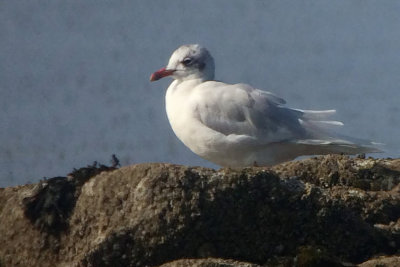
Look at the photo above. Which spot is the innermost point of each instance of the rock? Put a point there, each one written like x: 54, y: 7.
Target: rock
x: 330, y: 210
x: 208, y: 262
x: 382, y: 261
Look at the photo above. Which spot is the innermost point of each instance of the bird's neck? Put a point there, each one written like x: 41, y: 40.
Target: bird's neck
x: 191, y: 82
x: 187, y: 84
x: 196, y: 77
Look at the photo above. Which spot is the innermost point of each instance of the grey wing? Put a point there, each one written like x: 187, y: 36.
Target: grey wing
x: 260, y: 116
x: 239, y: 109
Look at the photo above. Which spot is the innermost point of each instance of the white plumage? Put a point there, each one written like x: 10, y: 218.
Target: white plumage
x: 237, y: 125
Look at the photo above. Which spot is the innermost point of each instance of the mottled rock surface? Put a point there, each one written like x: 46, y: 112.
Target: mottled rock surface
x: 382, y: 262
x: 208, y: 262
x: 324, y: 211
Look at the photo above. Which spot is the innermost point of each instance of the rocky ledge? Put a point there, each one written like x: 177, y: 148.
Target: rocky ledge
x: 323, y: 211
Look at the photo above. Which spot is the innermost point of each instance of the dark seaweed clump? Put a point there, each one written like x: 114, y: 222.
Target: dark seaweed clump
x: 51, y: 202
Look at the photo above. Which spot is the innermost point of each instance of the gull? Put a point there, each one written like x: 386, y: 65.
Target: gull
x: 236, y: 125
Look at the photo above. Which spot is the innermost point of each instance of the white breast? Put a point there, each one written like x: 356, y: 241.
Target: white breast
x: 185, y: 122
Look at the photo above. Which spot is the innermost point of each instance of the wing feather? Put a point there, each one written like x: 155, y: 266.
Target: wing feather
x: 247, y: 111
x: 242, y: 112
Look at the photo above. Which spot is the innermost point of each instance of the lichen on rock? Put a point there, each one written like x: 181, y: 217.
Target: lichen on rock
x: 333, y: 210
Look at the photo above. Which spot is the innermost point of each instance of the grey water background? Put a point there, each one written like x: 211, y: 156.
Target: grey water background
x: 74, y: 75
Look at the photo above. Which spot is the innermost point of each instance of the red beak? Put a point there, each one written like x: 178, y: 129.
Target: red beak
x: 161, y: 73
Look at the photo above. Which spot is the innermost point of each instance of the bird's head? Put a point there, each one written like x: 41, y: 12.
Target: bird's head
x: 188, y: 62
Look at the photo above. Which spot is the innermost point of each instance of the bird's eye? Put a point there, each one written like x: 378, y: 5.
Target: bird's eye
x: 187, y: 61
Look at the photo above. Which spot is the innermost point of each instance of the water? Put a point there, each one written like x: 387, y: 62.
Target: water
x: 74, y: 74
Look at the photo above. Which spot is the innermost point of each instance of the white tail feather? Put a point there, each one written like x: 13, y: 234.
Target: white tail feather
x: 317, y: 114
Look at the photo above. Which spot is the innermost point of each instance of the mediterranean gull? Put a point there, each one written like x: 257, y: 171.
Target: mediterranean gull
x: 236, y: 125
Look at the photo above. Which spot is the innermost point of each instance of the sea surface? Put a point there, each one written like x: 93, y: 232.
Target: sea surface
x: 74, y: 75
